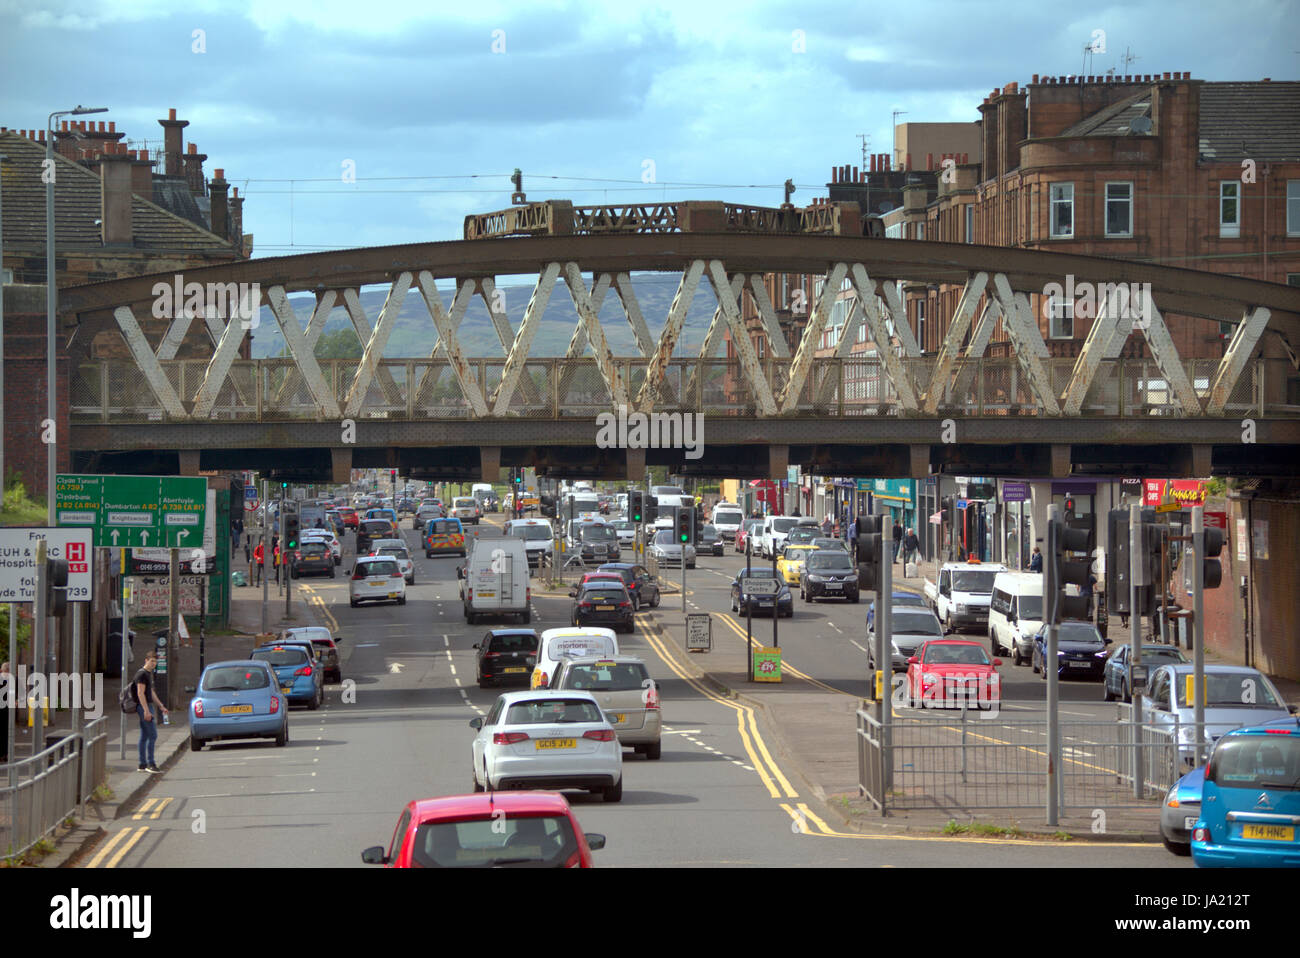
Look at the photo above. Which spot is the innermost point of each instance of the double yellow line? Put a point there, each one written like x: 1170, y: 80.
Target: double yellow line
x: 121, y: 844
x: 735, y: 626
x: 321, y: 607
x: 759, y: 757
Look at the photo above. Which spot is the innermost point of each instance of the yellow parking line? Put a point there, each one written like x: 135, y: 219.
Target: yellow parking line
x: 157, y: 812
x: 130, y: 844
x: 108, y: 848
x: 785, y: 664
x: 144, y: 809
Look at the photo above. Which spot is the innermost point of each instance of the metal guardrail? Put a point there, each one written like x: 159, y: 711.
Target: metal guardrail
x: 116, y: 390
x: 968, y: 760
x: 50, y: 786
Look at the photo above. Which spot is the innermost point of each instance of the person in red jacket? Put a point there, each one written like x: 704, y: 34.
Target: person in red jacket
x: 259, y: 559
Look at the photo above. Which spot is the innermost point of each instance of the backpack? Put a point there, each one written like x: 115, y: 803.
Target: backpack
x: 127, y: 700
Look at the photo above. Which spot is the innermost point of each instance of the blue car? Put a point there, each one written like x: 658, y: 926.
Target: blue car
x: 238, y: 699
x: 300, y: 676
x: 1250, y: 801
x: 1180, y: 811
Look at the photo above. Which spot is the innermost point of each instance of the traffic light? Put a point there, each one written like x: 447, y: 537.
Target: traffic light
x: 1069, y: 508
x: 1153, y: 586
x: 56, y: 587
x: 1071, y: 569
x: 650, y: 510
x: 870, y: 546
x: 1213, y: 574
x: 291, y: 530
x: 696, y: 522
x: 684, y: 524
x: 635, y: 503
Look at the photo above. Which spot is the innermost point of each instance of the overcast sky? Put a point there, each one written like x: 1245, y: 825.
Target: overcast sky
x: 435, y: 104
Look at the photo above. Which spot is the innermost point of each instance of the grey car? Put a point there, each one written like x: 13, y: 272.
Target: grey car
x: 668, y: 551
x: 910, y: 628
x: 1115, y: 677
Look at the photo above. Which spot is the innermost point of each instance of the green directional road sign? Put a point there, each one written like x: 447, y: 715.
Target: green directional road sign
x: 165, y: 512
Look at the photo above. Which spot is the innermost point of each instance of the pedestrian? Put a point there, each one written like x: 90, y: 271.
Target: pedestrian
x: 275, y: 559
x: 827, y: 525
x: 5, y: 680
x: 1036, y: 560
x: 259, y: 557
x: 146, y: 695
x: 911, y: 546
x: 898, y: 538
x: 236, y: 532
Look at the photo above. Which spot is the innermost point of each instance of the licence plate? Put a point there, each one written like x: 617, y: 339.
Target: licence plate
x: 604, y: 608
x: 379, y: 585
x: 557, y: 743
x: 236, y: 709
x: 834, y: 585
x: 1270, y: 833
x: 1080, y: 665
x: 514, y: 668
x: 487, y: 595
x: 620, y: 718
x: 1189, y: 822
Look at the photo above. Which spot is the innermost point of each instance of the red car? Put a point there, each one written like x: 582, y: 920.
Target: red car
x: 349, y: 516
x: 597, y: 576
x: 743, y: 531
x: 488, y: 830
x: 946, y: 672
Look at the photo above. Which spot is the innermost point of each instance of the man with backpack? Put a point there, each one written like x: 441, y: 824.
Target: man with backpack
x: 142, y: 690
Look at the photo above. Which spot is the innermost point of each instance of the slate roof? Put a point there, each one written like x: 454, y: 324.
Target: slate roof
x: 1260, y: 121
x: 77, y: 206
x: 1116, y: 119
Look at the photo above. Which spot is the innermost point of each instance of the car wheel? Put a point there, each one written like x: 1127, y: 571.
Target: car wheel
x: 652, y: 752
x: 477, y: 786
x: 338, y: 676
x: 401, y: 600
x: 470, y: 618
x: 354, y: 603
x: 1106, y: 694
x: 636, y: 604
x: 196, y: 744
x: 613, y: 793
x: 282, y: 739
x: 1124, y: 692
x: 1033, y: 662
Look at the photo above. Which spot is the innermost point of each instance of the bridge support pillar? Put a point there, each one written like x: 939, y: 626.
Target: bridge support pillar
x: 341, y: 465
x: 489, y: 459
x: 1202, y: 460
x: 918, y: 460
x: 189, y: 462
x: 778, y: 461
x: 635, y: 465
x: 1060, y: 461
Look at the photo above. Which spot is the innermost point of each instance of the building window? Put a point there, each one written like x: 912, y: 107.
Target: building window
x: 1062, y: 210
x: 783, y: 293
x: 1060, y: 319
x: 1229, y: 209
x: 1293, y: 279
x: 920, y: 322
x: 1293, y: 207
x: 970, y: 222
x: 1119, y: 209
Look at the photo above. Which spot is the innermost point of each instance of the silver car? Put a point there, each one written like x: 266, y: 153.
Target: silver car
x: 668, y: 551
x: 626, y: 693
x: 1235, y: 695
x: 910, y: 628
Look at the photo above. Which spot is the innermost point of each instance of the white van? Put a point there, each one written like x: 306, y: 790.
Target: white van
x: 494, y: 579
x: 727, y: 517
x: 556, y: 644
x: 771, y: 540
x: 538, y: 537
x: 1016, y: 614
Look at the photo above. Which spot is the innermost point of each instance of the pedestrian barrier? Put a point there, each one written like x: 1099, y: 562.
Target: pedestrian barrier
x: 968, y: 760
x: 49, y: 786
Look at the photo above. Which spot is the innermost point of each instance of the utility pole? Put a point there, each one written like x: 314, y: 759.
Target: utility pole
x: 1137, y: 571
x: 1051, y: 599
x: 1198, y: 627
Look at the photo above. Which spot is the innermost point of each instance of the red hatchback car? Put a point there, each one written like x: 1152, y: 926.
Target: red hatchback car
x: 349, y: 516
x: 944, y: 673
x: 488, y: 830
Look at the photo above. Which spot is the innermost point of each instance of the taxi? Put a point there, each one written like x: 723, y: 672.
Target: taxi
x: 790, y: 565
x: 444, y: 537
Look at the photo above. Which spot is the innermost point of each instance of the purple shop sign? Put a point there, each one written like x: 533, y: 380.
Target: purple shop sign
x: 1015, y: 492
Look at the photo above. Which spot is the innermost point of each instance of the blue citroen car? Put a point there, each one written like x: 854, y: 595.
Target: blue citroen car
x: 238, y: 699
x: 1250, y: 801
x: 300, y: 676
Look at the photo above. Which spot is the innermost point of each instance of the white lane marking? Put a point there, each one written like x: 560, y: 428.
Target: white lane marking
x: 366, y: 645
x: 446, y: 640
x: 860, y: 647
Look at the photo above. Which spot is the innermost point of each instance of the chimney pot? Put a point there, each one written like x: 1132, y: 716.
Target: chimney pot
x: 171, y: 114
x: 1035, y: 78
x: 112, y: 126
x: 1167, y: 76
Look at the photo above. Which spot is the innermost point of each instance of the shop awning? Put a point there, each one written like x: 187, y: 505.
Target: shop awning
x: 936, y: 518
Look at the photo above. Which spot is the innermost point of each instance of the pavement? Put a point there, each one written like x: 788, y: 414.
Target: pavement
x: 129, y: 787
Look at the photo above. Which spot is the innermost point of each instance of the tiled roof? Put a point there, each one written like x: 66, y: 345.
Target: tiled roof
x: 77, y: 206
x: 1260, y: 121
x: 1117, y: 119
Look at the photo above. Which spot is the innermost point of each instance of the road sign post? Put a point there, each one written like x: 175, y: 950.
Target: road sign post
x: 1137, y: 567
x: 749, y: 609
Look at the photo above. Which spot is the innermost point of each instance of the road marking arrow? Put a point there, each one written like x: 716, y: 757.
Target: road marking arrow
x: 396, y: 667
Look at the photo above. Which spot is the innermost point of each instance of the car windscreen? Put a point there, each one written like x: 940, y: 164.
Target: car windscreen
x: 751, y: 523
x: 625, y: 525
x: 665, y: 537
x: 235, y: 679
x: 1079, y: 632
x: 382, y: 567
x: 313, y: 547
x: 1257, y: 761
x: 513, y: 642
x: 838, y: 561
x: 377, y: 528
x: 1150, y: 652
x: 1031, y: 607
x: 912, y: 623
x: 282, y: 657
x: 606, y: 677
x: 395, y: 551
x: 531, y: 533
x: 784, y: 525
x: 552, y: 711
x: 971, y: 581
x: 442, y: 527
x: 955, y: 655
x: 1238, y: 689
x: 728, y: 518
x: 597, y: 534
x: 603, y: 592
x: 500, y: 841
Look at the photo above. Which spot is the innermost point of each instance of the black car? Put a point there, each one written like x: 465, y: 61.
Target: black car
x: 828, y: 573
x: 784, y: 600
x: 506, y: 655
x: 371, y: 529
x: 603, y: 603
x: 710, y: 541
x: 312, y: 557
x: 641, y: 585
x: 597, y: 542
x: 1080, y: 651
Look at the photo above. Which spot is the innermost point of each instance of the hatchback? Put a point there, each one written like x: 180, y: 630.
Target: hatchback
x: 396, y: 549
x: 238, y: 699
x: 603, y: 603
x: 312, y: 557
x: 372, y: 529
x: 376, y: 579
x: 506, y: 655
x: 643, y: 587
x: 1250, y: 800
x: 1115, y: 677
x: 518, y: 829
x: 326, y: 646
x: 300, y: 678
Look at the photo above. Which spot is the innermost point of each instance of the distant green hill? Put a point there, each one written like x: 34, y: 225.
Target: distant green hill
x: 414, y: 334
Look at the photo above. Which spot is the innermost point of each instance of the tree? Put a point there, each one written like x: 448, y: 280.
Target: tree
x: 340, y: 344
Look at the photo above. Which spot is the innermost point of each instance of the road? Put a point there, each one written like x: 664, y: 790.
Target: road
x: 720, y: 795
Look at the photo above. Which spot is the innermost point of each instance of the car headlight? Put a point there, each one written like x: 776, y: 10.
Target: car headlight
x: 817, y: 578
x: 850, y: 578
x: 961, y: 608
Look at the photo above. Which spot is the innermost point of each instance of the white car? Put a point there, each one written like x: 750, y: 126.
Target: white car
x: 376, y: 579
x: 547, y: 740
x: 396, y: 549
x: 625, y: 529
x: 329, y: 538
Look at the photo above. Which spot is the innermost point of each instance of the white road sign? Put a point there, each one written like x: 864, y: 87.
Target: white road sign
x: 759, y: 585
x: 18, y: 561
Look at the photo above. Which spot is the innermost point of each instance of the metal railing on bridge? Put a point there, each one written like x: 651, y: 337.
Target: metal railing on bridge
x: 117, y: 390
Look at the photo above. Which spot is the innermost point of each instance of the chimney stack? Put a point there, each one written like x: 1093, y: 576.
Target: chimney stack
x: 194, y: 170
x: 142, y: 174
x: 217, y: 190
x: 172, y: 142
x: 115, y: 197
x: 237, y: 221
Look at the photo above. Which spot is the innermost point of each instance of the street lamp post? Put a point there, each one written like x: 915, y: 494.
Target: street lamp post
x: 51, y: 305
